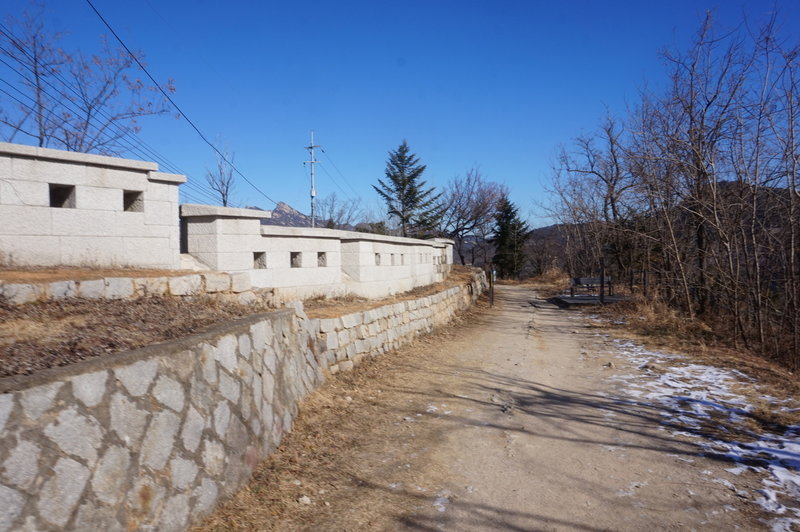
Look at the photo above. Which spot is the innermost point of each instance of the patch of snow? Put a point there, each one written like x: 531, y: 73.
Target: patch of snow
x: 691, y: 397
x: 440, y: 504
x: 682, y: 458
x: 738, y: 470
x: 631, y: 489
x: 727, y: 483
x: 781, y: 525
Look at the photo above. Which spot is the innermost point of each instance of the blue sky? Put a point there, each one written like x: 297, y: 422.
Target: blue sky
x: 494, y: 84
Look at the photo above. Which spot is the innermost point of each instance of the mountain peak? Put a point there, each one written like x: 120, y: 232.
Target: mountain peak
x: 285, y: 215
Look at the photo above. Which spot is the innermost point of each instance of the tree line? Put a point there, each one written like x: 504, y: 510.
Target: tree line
x: 695, y: 190
x: 474, y: 212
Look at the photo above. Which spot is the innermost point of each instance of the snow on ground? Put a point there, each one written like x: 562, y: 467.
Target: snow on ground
x: 694, y: 398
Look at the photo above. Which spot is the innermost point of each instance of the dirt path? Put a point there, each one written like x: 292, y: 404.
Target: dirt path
x: 519, y: 421
x: 541, y: 439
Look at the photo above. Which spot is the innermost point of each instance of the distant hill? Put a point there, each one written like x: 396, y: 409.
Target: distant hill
x: 552, y: 234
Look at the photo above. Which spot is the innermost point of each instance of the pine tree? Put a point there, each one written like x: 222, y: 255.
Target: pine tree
x: 416, y: 207
x: 509, y: 236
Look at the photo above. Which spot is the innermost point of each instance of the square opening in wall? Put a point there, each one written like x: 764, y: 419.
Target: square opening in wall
x: 295, y: 259
x: 133, y: 201
x: 322, y: 259
x: 377, y: 259
x: 259, y: 260
x: 62, y: 196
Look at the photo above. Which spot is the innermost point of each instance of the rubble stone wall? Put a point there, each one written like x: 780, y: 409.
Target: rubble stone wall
x: 152, y: 438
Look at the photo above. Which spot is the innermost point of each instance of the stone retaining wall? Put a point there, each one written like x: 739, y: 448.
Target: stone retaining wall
x: 152, y: 438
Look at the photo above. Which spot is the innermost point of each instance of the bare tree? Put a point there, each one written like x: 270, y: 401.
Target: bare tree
x: 468, y: 208
x: 221, y: 179
x: 70, y: 100
x: 335, y: 213
x: 702, y: 190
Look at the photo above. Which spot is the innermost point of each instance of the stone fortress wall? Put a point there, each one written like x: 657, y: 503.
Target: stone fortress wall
x: 61, y: 208
x: 307, y: 262
x: 152, y: 438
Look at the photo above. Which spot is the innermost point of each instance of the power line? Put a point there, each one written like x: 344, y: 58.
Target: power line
x: 175, y: 105
x: 339, y: 171
x: 335, y: 182
x: 13, y: 97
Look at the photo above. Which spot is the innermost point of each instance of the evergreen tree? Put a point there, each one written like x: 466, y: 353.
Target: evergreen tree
x: 416, y: 207
x: 509, y: 236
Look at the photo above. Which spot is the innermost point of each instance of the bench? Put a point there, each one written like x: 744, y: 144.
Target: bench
x: 589, y: 283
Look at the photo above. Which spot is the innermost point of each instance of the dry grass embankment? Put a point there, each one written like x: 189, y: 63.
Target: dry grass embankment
x: 48, y: 334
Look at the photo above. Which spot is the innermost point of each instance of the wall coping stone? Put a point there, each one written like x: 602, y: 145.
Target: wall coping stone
x: 191, y: 210
x: 164, y: 177
x: 346, y: 236
x: 49, y: 154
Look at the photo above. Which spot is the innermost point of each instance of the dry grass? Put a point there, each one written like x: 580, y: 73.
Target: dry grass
x: 46, y: 334
x: 551, y: 283
x: 553, y: 276
x: 657, y: 320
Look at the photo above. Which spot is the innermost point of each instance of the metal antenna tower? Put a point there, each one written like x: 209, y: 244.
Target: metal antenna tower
x: 310, y: 148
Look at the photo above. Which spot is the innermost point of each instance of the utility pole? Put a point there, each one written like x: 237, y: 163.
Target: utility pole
x: 310, y: 148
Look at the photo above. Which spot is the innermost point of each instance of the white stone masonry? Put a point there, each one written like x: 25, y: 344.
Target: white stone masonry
x: 66, y: 208
x: 305, y: 262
